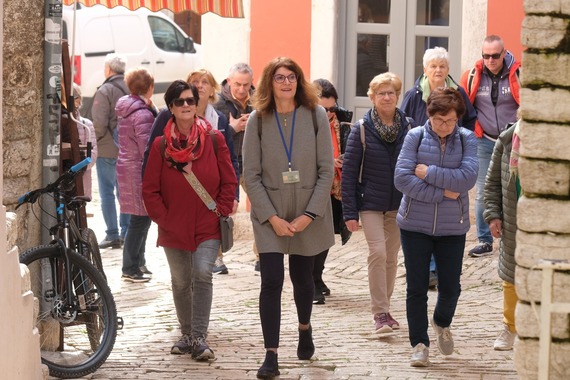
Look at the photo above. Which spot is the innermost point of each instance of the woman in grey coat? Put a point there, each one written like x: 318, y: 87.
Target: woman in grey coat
x: 288, y: 169
x: 502, y: 190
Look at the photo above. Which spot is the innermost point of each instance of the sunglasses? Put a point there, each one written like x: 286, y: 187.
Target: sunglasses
x: 494, y: 56
x: 179, y: 102
x: 331, y: 109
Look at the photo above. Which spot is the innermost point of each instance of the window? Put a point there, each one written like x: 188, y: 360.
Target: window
x: 165, y: 35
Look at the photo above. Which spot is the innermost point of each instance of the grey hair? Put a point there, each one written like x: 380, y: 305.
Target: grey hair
x: 436, y: 53
x: 116, y: 62
x: 242, y: 68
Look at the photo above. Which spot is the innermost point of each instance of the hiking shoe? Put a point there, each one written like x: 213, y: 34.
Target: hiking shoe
x: 257, y: 266
x: 220, y: 267
x: 136, y: 277
x: 200, y: 349
x: 108, y: 243
x: 420, y: 356
x: 382, y: 324
x: 505, y: 340
x: 444, y: 338
x: 183, y: 346
x: 145, y: 270
x: 432, y: 280
x: 318, y: 297
x: 483, y: 249
x: 393, y: 323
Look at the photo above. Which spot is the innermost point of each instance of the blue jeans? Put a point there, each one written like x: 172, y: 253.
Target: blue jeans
x: 484, y: 152
x: 135, y: 242
x: 107, y: 179
x: 448, y: 253
x: 192, y: 288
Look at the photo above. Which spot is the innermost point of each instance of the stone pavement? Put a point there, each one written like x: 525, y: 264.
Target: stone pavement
x: 343, y: 329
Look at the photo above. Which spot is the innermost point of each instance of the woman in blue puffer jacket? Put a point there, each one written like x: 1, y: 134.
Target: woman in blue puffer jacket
x: 435, y: 170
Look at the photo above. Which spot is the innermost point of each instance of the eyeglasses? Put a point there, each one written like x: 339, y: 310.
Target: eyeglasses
x: 179, y: 102
x: 438, y: 122
x: 386, y: 93
x: 280, y: 78
x: 494, y: 56
x: 331, y: 109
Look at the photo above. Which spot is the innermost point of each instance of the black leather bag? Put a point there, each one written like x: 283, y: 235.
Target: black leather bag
x: 226, y: 233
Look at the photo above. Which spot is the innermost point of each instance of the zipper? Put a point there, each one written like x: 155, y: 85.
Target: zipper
x: 408, y: 209
x: 434, y: 219
x: 460, y: 209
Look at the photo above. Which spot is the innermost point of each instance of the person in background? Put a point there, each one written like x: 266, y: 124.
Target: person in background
x: 339, y: 132
x: 289, y: 170
x: 436, y: 74
x: 105, y: 124
x: 235, y: 103
x: 187, y: 229
x: 86, y: 134
x: 368, y: 191
x: 435, y: 171
x: 136, y: 113
x: 493, y: 87
x: 502, y: 191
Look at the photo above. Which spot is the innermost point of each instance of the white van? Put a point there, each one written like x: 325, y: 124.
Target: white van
x: 145, y: 38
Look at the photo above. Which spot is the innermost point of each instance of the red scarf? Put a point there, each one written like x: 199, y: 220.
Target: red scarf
x: 194, y: 143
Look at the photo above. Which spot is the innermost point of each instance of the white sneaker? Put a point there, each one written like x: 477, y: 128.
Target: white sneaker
x: 505, y: 340
x: 420, y: 356
x: 444, y: 338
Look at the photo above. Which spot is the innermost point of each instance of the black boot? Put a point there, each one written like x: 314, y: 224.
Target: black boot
x: 269, y: 368
x: 306, y: 348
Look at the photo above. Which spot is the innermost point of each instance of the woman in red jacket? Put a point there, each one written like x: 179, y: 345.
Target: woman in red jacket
x: 187, y: 229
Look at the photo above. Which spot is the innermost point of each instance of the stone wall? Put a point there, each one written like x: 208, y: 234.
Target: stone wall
x: 22, y: 109
x: 544, y: 211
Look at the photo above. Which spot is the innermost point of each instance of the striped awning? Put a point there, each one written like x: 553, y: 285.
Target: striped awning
x: 224, y: 8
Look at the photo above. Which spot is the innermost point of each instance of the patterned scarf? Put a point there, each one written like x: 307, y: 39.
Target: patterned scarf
x: 185, y: 149
x: 335, y: 133
x: 387, y: 133
x: 514, y: 159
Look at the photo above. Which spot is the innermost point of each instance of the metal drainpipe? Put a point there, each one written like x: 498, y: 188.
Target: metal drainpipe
x: 51, y: 103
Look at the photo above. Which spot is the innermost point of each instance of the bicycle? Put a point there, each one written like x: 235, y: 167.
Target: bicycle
x: 77, y: 316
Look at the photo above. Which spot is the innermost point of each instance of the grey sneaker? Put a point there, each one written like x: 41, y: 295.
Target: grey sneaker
x: 420, y: 356
x: 145, y: 270
x: 201, y: 350
x: 135, y: 277
x: 444, y: 338
x: 220, y: 267
x: 482, y: 249
x: 183, y: 346
x: 505, y: 340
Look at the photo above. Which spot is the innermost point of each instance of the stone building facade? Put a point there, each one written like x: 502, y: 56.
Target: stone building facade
x: 544, y: 211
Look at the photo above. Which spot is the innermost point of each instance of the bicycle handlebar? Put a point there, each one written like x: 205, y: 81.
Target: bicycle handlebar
x: 32, y: 196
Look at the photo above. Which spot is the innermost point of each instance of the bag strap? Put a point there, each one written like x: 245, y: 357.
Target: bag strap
x: 470, y: 81
x: 260, y: 124
x: 363, y: 142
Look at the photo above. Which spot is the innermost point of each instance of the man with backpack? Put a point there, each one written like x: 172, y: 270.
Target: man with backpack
x: 105, y: 124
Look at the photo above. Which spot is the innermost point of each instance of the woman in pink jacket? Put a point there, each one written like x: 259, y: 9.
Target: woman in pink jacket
x: 135, y: 113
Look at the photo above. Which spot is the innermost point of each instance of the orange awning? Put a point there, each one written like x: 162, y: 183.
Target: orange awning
x: 224, y: 8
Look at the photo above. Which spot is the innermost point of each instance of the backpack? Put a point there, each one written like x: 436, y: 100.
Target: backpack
x: 260, y: 124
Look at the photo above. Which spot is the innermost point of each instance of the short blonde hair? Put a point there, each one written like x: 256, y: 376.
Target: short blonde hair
x: 386, y: 78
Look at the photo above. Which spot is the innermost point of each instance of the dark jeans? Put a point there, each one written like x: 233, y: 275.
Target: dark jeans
x: 448, y: 254
x: 135, y: 241
x: 272, y: 277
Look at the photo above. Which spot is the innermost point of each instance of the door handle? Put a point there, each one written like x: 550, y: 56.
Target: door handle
x: 161, y: 61
x: 145, y: 62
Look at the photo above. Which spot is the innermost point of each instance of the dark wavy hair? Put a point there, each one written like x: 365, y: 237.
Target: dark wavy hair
x: 444, y: 99
x: 326, y: 89
x: 263, y: 98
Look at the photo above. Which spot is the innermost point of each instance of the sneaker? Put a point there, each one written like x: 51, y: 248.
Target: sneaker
x: 145, y: 270
x: 393, y: 323
x: 432, y: 280
x: 444, y: 338
x: 200, y: 349
x: 505, y: 340
x: 107, y: 243
x: 220, y: 267
x: 183, y: 346
x: 257, y: 266
x: 318, y: 297
x: 420, y: 356
x: 136, y: 277
x: 483, y: 249
x: 382, y: 324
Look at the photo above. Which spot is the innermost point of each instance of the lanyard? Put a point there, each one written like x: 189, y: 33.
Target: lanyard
x: 289, y: 150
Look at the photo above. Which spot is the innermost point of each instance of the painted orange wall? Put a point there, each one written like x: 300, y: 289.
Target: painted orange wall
x: 280, y: 28
x: 504, y: 18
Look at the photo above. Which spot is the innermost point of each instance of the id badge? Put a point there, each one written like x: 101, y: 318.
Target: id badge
x: 291, y: 177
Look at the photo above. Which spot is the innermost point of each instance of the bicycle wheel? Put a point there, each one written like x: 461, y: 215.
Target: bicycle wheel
x: 91, y: 251
x: 76, y: 336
